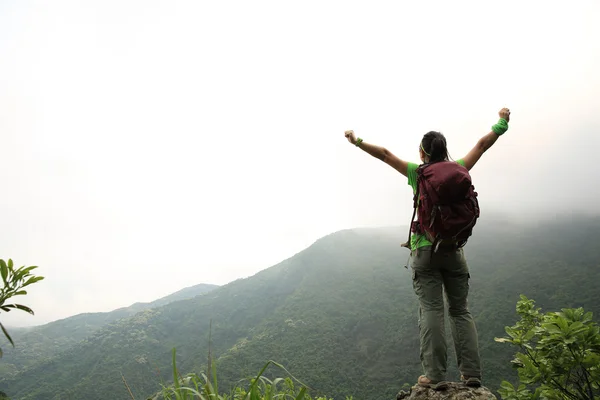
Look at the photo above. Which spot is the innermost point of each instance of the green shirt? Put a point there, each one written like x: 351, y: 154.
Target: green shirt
x: 416, y: 240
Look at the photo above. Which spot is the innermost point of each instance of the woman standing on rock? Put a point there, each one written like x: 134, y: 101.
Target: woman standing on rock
x: 440, y: 268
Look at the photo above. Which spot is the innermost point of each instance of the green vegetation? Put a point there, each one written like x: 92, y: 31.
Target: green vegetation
x: 559, y: 354
x: 14, y: 281
x: 193, y: 387
x: 33, y: 345
x: 341, y: 315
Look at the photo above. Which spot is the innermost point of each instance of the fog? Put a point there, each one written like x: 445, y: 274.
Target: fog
x: 149, y: 146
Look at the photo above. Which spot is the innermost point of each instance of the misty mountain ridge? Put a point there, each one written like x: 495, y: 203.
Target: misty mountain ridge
x: 43, y: 341
x: 182, y: 294
x: 340, y: 315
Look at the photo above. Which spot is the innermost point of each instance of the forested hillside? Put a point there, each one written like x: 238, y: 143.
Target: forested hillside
x: 340, y: 315
x: 35, y: 344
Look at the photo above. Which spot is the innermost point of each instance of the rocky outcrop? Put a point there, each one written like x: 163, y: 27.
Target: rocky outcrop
x: 455, y: 391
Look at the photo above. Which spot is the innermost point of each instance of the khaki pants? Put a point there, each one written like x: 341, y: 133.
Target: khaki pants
x: 445, y: 270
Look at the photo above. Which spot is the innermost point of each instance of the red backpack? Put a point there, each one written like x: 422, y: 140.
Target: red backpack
x: 447, y: 204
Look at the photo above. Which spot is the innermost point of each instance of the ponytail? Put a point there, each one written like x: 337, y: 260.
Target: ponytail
x: 434, y: 145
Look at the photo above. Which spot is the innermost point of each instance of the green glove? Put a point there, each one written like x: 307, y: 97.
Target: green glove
x: 500, y: 127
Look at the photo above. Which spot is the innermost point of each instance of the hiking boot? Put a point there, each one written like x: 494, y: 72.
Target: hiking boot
x: 471, y: 381
x: 435, y: 385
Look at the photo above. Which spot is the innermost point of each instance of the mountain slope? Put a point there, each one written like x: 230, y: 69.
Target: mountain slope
x: 42, y: 342
x: 341, y: 315
x: 183, y: 294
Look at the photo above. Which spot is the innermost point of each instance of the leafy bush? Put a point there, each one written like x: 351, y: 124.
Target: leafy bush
x: 14, y: 281
x: 559, y: 355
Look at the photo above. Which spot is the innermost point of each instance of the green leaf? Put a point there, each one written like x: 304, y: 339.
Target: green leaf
x: 4, y: 271
x: 506, y: 390
x: 214, y: 372
x: 277, y: 380
x: 18, y: 306
x: 175, y: 378
x: 592, y: 359
x: 10, y: 264
x: 563, y: 324
x: 301, y: 394
x: 24, y: 308
x: 22, y: 272
x: 552, y: 328
x: 6, y: 334
x: 530, y: 333
x: 32, y: 279
x: 511, y: 332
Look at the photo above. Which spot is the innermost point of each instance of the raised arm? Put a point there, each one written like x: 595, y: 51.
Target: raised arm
x: 488, y: 140
x: 378, y: 152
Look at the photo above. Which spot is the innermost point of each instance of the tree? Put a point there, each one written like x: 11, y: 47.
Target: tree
x: 14, y: 281
x: 558, y: 357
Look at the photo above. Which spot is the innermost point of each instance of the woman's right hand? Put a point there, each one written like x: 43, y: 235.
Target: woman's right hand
x: 350, y: 136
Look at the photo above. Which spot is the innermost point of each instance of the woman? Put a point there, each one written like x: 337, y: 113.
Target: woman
x: 433, y: 273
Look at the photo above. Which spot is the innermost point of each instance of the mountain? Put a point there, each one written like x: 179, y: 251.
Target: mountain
x: 340, y: 315
x: 35, y: 344
x: 183, y: 294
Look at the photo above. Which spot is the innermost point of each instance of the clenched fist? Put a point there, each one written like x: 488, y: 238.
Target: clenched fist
x: 505, y: 113
x: 350, y: 136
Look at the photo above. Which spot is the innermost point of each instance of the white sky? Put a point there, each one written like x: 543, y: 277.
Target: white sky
x: 147, y: 146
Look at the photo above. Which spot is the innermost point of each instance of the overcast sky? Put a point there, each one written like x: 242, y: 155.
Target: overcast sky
x: 147, y: 146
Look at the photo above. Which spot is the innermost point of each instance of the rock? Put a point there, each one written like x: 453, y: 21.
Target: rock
x: 455, y: 391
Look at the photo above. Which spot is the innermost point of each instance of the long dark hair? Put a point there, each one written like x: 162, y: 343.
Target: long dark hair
x: 434, y: 145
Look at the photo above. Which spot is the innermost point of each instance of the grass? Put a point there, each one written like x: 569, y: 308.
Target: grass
x: 195, y: 387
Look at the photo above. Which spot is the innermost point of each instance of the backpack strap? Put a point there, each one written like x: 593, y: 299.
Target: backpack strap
x: 415, y: 204
x: 410, y: 225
